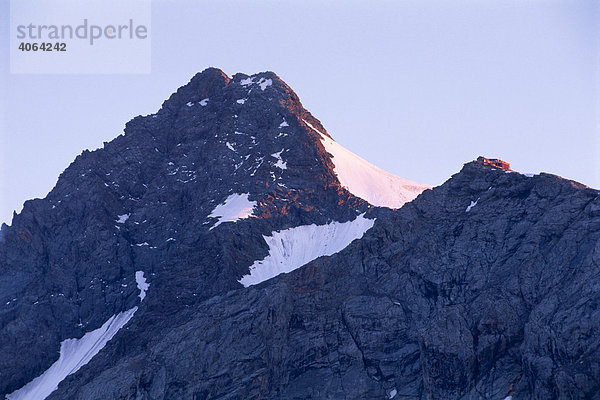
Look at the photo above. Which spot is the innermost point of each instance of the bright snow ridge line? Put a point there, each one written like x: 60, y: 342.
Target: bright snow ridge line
x: 292, y: 248
x: 367, y: 181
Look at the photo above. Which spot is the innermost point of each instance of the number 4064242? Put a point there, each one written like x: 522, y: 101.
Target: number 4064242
x: 25, y: 46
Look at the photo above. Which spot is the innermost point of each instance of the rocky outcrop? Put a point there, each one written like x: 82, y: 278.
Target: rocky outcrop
x: 494, y: 162
x: 484, y: 287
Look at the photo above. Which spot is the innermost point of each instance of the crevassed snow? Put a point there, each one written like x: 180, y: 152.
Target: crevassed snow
x: 367, y: 181
x: 141, y: 284
x: 280, y: 163
x: 74, y: 353
x: 291, y: 248
x: 473, y: 204
x: 203, y: 102
x: 235, y: 207
x: 122, y: 218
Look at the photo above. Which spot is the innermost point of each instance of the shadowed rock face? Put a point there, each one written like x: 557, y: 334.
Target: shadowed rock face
x: 142, y: 202
x: 433, y: 302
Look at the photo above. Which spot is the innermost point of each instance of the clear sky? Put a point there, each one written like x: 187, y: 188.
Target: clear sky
x: 416, y: 87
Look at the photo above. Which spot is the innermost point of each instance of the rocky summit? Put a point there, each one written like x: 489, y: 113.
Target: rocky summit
x: 227, y: 247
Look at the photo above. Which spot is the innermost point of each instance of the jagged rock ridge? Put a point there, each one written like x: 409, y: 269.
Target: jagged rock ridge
x: 480, y: 288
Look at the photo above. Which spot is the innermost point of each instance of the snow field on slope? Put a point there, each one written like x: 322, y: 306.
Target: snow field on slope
x: 291, y: 248
x: 75, y: 353
x: 367, y: 181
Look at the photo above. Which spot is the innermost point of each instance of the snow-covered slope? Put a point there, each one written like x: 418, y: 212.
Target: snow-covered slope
x: 367, y: 181
x: 74, y: 353
x: 291, y: 248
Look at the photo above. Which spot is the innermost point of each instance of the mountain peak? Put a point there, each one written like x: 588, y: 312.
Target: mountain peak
x: 210, y: 73
x: 256, y: 127
x: 202, y: 85
x: 205, y: 83
x: 137, y: 265
x: 223, y: 164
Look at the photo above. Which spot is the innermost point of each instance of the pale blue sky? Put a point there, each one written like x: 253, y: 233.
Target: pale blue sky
x: 416, y: 87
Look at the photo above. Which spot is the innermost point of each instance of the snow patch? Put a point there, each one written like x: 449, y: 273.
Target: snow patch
x: 203, y: 102
x: 283, y: 124
x: 229, y: 146
x: 260, y: 163
x: 122, y: 218
x: 292, y: 248
x: 189, y: 104
x: 263, y: 83
x: 367, y: 181
x: 241, y: 101
x: 141, y: 284
x: 473, y: 204
x: 280, y: 163
x: 392, y: 393
x: 234, y: 208
x: 247, y: 81
x: 74, y: 354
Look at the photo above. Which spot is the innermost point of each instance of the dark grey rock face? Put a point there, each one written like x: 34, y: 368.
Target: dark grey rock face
x: 67, y: 264
x: 434, y: 302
